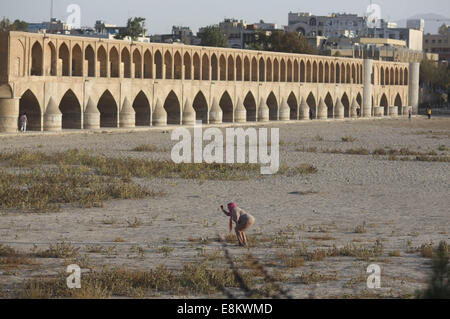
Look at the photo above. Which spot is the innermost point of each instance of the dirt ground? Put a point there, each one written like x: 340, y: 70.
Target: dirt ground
x: 352, y: 200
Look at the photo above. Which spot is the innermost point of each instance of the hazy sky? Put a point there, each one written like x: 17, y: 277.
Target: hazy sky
x: 162, y: 14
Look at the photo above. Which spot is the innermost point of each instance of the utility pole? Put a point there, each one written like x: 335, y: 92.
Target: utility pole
x: 51, y: 10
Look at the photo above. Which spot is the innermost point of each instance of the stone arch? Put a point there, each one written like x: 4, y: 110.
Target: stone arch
x: 346, y: 103
x: 381, y: 76
x: 272, y: 103
x: 114, y: 62
x: 173, y: 108
x: 293, y: 106
x: 289, y: 70
x: 405, y: 80
x: 214, y: 67
x: 196, y: 62
x: 360, y: 74
x: 332, y: 73
x: 70, y: 108
x: 148, y: 65
x: 327, y: 73
x: 177, y: 67
x: 343, y: 79
x: 226, y: 104
x: 89, y: 56
x: 64, y: 56
x: 168, y: 64
x: 330, y: 105
x: 50, y: 60
x: 296, y: 70
x: 108, y: 110
x: 262, y: 70
x: 302, y: 71
x: 187, y: 66
x: 385, y: 104
x: 250, y: 107
x: 77, y: 61
x: 359, y: 101
x: 238, y: 68
x: 321, y: 75
x: 36, y: 59
x: 246, y: 69
x: 125, y: 58
x: 201, y: 108
x: 137, y: 63
x: 314, y: 75
x: 311, y: 101
x: 338, y: 73
x: 348, y: 73
x: 282, y: 71
x: 223, y: 68
x: 386, y: 75
x: 230, y: 68
x: 354, y: 79
x: 276, y: 70
x: 205, y: 67
x: 308, y: 72
x: 142, y: 108
x: 254, y: 70
x: 398, y: 103
x: 269, y: 77
x: 396, y: 76
x: 29, y: 104
x: 392, y: 74
x: 158, y: 65
x: 102, y: 59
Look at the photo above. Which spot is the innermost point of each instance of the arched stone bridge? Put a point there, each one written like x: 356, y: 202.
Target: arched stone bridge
x: 66, y: 82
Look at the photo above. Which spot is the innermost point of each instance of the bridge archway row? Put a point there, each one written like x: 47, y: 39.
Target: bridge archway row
x: 114, y: 59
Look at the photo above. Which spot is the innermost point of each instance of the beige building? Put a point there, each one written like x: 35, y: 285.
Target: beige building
x: 68, y: 82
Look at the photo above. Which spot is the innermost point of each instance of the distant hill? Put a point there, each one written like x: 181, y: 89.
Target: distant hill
x: 432, y: 21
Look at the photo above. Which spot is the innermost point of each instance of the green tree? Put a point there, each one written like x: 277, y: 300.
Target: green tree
x: 212, y: 36
x: 434, y: 75
x: 17, y: 25
x: 135, y: 28
x: 439, y: 284
x: 279, y: 41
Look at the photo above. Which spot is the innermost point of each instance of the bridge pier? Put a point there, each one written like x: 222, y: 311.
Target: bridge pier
x: 339, y: 110
x: 263, y: 111
x: 127, y: 116
x: 285, y: 111
x: 9, y: 114
x: 216, y: 114
x: 159, y: 115
x: 188, y: 113
x: 240, y: 114
x: 91, y: 116
x: 52, y: 117
x: 322, y: 113
x: 303, y: 110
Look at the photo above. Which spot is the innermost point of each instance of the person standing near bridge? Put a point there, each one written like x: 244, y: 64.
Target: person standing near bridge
x: 242, y: 219
x: 23, y: 122
x: 429, y: 112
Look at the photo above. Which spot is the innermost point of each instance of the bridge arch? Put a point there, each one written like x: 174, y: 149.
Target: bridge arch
x: 254, y: 70
x: 230, y: 68
x: 89, y: 56
x: 250, y: 107
x: 338, y: 73
x: 321, y: 75
x: 168, y: 64
x: 114, y: 62
x: 346, y: 102
x: 177, y: 67
x: 238, y: 68
x: 196, y: 63
x: 276, y: 70
x: 201, y: 108
x: 296, y: 70
x: 314, y: 75
x: 381, y: 76
x: 137, y: 63
x: 398, y: 103
x: 214, y: 67
x: 142, y: 108
x: 64, y: 56
x: 311, y: 101
x: 222, y: 68
x: 308, y: 72
x: 272, y: 103
x: 126, y: 60
x: 302, y: 71
x: 343, y: 79
x: 348, y: 72
x: 173, y: 108
x: 70, y: 108
x: 385, y: 104
x: 330, y: 105
x: 246, y: 69
x: 405, y: 80
x: 327, y: 73
x: 262, y: 70
x: 77, y: 61
x: 102, y: 59
x: 158, y: 65
x: 108, y: 110
x: 205, y: 67
x: 148, y: 65
x: 29, y: 104
x: 50, y: 59
x: 293, y: 106
x: 36, y: 59
x: 289, y: 70
x: 187, y: 66
x: 226, y: 104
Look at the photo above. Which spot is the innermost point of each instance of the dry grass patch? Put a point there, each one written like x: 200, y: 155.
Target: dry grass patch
x: 311, y: 277
x: 149, y: 148
x: 348, y: 139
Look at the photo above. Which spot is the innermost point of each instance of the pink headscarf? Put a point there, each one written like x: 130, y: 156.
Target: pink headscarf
x: 230, y: 207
